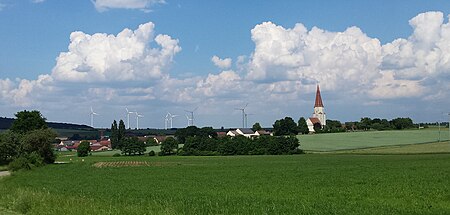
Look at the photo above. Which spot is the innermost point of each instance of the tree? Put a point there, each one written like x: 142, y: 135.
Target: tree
x: 402, y: 123
x: 120, y: 134
x: 256, y: 127
x: 132, y: 146
x: 40, y: 141
x: 9, y: 146
x: 302, y: 126
x: 285, y: 126
x: 28, y: 121
x: 169, y: 146
x: 114, y: 135
x: 83, y: 149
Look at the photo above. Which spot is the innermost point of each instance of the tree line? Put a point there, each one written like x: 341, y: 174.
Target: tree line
x: 204, y: 141
x: 287, y: 125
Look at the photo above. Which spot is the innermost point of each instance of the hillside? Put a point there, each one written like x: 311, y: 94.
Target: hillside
x: 5, y: 123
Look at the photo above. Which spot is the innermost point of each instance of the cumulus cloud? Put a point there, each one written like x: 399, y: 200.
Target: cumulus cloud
x: 221, y: 63
x: 133, y: 67
x: 125, y: 56
x: 144, y: 5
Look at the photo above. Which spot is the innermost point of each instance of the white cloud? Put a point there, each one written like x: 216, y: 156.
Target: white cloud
x: 38, y: 1
x: 144, y: 5
x: 122, y: 57
x: 132, y: 68
x: 221, y: 63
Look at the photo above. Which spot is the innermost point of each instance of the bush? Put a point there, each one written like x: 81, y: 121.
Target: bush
x: 83, y: 149
x: 27, y: 162
x: 151, y: 153
x: 116, y: 155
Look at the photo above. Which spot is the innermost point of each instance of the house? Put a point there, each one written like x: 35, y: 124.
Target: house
x: 232, y: 133
x: 221, y: 134
x: 263, y: 133
x: 159, y: 139
x: 98, y: 147
x: 246, y: 132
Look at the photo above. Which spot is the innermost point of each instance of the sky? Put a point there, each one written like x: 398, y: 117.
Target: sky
x: 378, y: 59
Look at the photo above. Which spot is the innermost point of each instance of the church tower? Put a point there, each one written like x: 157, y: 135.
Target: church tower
x: 319, y: 109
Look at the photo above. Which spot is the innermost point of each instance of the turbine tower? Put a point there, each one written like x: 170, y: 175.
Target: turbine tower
x: 128, y: 117
x: 166, y: 120
x: 246, y: 118
x: 92, y: 116
x: 191, y: 119
x: 169, y: 119
x: 137, y: 119
x: 243, y: 114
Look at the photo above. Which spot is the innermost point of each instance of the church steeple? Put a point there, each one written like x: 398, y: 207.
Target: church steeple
x: 318, y: 98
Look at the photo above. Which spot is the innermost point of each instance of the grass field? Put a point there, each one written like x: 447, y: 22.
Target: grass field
x: 358, y: 140
x: 421, y: 148
x: 300, y: 184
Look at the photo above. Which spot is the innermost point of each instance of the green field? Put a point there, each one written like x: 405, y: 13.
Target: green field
x: 300, y: 184
x: 358, y: 140
x: 421, y: 148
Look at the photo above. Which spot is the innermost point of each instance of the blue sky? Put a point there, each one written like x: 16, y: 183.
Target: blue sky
x: 260, y: 60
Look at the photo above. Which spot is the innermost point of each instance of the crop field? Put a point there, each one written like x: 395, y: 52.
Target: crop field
x: 298, y: 184
x: 420, y: 148
x: 359, y: 140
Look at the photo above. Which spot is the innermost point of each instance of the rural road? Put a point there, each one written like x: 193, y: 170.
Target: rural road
x: 4, y: 173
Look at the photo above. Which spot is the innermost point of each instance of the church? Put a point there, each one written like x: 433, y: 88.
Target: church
x: 319, y: 118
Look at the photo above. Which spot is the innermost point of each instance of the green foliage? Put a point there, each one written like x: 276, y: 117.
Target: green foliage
x: 27, y: 121
x: 168, y: 147
x: 193, y: 131
x: 256, y: 127
x: 40, y: 141
x: 116, y: 155
x: 121, y: 134
x: 114, y: 135
x: 240, y: 145
x: 302, y: 126
x: 9, y: 146
x: 151, y: 153
x: 151, y: 142
x: 285, y: 126
x: 83, y: 149
x: 133, y: 146
x: 402, y: 123
x: 26, y: 162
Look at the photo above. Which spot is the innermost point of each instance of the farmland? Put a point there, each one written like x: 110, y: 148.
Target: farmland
x: 312, y: 184
x: 359, y: 140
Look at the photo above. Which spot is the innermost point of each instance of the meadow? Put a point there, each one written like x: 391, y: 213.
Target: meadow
x: 297, y: 184
x: 370, y: 139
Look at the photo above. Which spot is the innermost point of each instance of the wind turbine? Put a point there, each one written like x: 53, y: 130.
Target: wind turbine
x: 92, y: 117
x: 188, y: 120
x: 246, y: 118
x: 166, y: 120
x: 128, y: 117
x: 171, y: 120
x: 137, y: 119
x: 243, y: 114
x: 191, y: 119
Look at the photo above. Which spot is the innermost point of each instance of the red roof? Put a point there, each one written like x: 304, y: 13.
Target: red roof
x: 314, y: 120
x: 318, y: 98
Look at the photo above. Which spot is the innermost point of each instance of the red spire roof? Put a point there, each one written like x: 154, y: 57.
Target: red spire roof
x: 318, y: 98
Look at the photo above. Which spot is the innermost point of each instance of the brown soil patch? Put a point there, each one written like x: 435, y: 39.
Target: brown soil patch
x: 131, y: 163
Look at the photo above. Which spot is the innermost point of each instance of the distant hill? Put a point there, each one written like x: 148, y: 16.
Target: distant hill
x: 5, y: 123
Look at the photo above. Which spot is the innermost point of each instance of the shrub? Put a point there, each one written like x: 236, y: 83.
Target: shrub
x: 151, y: 153
x: 116, y: 155
x: 20, y: 163
x: 83, y: 149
